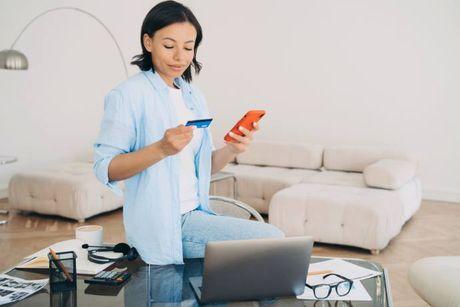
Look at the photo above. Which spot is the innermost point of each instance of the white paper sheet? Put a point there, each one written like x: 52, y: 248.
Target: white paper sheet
x: 357, y: 293
x: 84, y: 266
x: 344, y: 268
x: 341, y: 267
x: 13, y: 289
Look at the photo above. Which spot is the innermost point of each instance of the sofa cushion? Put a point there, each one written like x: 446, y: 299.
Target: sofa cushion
x: 351, y: 179
x: 307, y: 156
x: 356, y: 158
x: 389, y: 173
x: 256, y: 185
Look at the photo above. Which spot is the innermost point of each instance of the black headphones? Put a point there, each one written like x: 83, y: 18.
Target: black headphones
x: 129, y: 253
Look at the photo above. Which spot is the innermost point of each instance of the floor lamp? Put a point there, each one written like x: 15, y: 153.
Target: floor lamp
x: 14, y: 60
x: 11, y: 59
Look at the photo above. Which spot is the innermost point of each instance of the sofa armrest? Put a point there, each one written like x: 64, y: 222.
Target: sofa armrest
x: 389, y: 173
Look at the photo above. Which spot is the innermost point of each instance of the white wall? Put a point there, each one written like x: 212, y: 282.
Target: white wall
x: 380, y: 73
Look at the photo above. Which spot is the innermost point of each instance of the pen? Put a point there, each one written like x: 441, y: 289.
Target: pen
x: 58, y: 263
x: 319, y: 272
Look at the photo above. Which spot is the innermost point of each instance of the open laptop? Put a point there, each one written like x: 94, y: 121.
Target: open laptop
x: 253, y: 269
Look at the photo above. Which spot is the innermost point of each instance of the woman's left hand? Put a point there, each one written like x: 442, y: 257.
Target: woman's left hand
x: 241, y: 143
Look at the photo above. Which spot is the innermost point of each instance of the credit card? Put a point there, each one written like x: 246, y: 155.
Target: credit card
x: 200, y: 123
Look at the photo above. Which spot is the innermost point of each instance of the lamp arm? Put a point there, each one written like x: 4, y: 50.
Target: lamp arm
x: 81, y: 11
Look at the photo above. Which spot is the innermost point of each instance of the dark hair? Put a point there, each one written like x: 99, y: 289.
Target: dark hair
x: 162, y: 15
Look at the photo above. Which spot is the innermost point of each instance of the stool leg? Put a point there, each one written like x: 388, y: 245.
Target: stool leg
x: 375, y: 252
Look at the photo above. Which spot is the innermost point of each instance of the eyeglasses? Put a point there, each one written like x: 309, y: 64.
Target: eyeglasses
x: 342, y: 288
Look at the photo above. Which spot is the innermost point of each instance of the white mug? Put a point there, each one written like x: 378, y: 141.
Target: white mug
x: 90, y: 234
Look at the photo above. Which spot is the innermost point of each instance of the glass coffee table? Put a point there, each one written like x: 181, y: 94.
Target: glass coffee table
x: 152, y: 285
x: 3, y: 161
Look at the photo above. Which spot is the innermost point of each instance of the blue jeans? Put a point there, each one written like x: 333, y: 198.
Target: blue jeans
x: 199, y: 228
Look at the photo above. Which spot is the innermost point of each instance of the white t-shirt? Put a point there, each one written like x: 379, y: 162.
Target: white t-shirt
x: 188, y: 185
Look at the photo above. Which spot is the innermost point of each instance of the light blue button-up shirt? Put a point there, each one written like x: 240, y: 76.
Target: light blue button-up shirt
x: 136, y: 114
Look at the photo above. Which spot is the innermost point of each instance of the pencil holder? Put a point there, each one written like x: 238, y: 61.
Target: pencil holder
x: 63, y: 298
x: 63, y: 271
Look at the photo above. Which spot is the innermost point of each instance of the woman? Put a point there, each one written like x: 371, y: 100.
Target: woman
x: 166, y: 165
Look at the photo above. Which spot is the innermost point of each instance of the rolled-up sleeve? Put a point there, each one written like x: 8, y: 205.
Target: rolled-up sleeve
x: 117, y: 136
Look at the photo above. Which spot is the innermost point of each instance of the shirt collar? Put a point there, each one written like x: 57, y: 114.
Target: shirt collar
x: 161, y: 85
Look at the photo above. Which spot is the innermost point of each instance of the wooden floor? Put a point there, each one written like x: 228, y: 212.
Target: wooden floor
x: 433, y: 231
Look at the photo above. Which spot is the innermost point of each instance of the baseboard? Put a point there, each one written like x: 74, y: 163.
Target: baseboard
x: 442, y: 195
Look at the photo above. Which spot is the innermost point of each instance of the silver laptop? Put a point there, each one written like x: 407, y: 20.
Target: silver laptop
x: 253, y: 269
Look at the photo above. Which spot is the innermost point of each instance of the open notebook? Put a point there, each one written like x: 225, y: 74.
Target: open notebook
x: 39, y: 260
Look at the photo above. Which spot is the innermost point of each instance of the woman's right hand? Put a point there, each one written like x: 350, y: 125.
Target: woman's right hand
x: 124, y: 166
x: 175, y: 139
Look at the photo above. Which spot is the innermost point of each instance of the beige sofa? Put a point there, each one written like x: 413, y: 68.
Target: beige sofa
x: 356, y: 196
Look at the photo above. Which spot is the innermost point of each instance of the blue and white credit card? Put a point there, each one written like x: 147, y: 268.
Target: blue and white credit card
x: 200, y: 123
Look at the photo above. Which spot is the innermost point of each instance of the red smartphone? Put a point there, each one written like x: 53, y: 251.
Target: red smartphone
x: 246, y: 121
